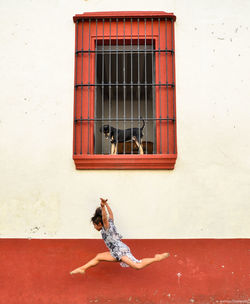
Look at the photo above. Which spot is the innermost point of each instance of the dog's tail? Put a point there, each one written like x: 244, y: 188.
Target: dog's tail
x: 143, y: 123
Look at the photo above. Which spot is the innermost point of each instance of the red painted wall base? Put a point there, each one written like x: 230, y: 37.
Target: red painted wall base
x: 198, y: 271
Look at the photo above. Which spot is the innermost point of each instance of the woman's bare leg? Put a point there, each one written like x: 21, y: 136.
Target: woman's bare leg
x: 144, y: 262
x: 100, y: 257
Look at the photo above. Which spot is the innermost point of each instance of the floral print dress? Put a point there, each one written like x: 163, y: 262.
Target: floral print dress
x: 116, y: 247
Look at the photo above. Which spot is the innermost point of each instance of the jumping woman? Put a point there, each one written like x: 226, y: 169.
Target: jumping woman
x: 118, y: 251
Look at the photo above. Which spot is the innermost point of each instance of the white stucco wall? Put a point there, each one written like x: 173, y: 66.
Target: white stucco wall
x: 207, y: 195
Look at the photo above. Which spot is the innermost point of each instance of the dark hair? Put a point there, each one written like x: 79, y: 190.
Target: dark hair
x: 97, y: 218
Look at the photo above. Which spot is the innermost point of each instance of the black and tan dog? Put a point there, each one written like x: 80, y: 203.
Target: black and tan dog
x: 118, y: 136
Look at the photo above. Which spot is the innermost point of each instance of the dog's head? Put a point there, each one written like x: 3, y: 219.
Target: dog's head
x: 105, y: 130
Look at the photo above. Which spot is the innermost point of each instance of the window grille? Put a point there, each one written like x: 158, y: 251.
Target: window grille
x: 125, y: 78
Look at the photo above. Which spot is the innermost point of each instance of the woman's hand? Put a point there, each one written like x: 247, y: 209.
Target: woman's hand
x: 103, y: 202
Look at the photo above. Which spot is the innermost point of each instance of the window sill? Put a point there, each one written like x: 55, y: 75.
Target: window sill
x: 125, y: 162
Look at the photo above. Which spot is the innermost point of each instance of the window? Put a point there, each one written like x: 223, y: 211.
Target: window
x: 124, y: 100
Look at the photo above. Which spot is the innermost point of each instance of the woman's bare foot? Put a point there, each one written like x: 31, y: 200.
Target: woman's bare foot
x: 160, y: 257
x: 78, y: 270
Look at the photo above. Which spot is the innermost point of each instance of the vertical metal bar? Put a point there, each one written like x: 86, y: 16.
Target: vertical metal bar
x: 166, y: 23
x: 76, y: 55
x: 173, y: 77
x: 124, y: 86
x: 95, y: 127
x: 102, y: 80
x: 146, y: 87
x: 139, y: 87
x: 116, y: 78
x: 88, y: 80
x: 131, y: 81
x: 109, y: 73
x: 159, y: 88
x: 81, y: 86
x: 153, y: 88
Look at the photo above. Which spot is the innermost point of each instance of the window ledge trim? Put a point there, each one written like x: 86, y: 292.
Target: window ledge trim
x: 130, y: 162
x: 125, y: 14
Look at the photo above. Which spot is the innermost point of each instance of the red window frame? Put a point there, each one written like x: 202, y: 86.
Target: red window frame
x: 86, y: 33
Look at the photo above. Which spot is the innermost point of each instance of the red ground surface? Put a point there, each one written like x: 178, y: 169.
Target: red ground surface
x: 198, y: 271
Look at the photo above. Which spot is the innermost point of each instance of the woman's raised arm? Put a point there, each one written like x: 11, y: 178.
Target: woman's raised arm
x: 111, y: 216
x: 104, y: 216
